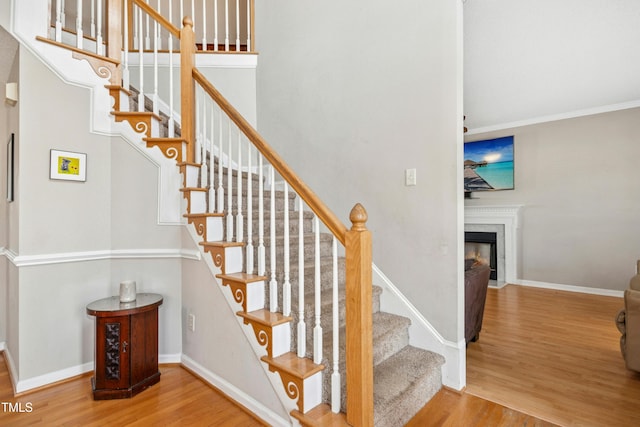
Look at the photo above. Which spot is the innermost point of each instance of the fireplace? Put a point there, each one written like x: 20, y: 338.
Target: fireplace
x: 482, y: 246
x: 503, y: 220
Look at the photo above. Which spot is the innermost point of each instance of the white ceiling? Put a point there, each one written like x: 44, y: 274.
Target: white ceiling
x: 8, y: 49
x: 531, y: 61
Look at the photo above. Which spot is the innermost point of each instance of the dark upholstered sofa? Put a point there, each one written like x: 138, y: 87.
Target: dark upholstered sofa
x: 628, y: 322
x: 476, y: 281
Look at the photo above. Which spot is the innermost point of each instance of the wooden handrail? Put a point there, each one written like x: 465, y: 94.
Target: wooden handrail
x: 311, y: 199
x: 155, y: 15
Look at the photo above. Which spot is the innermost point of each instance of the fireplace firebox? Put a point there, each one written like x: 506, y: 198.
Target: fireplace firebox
x: 482, y: 246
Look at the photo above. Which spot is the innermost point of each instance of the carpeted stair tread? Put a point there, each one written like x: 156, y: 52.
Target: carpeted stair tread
x: 404, y: 383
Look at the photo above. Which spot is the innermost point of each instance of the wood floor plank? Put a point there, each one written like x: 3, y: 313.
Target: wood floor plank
x: 179, y: 399
x: 554, y: 355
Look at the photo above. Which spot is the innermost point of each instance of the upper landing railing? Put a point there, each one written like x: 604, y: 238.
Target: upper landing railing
x: 219, y: 25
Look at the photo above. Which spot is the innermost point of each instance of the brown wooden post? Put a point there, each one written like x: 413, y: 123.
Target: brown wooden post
x: 114, y: 38
x: 253, y: 25
x: 359, y: 339
x: 187, y: 86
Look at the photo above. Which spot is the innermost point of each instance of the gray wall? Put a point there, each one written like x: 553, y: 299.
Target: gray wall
x: 115, y: 209
x: 354, y: 93
x: 577, y: 180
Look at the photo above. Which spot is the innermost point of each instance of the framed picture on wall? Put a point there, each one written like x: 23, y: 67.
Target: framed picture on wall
x: 10, y: 159
x: 67, y: 165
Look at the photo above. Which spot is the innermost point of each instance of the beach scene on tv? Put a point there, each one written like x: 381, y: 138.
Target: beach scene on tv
x: 488, y: 165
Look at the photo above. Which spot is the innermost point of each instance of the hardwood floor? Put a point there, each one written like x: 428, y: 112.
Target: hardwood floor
x: 544, y: 357
x: 179, y: 399
x: 554, y: 355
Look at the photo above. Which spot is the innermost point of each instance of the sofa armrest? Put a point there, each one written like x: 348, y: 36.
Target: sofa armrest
x: 632, y: 327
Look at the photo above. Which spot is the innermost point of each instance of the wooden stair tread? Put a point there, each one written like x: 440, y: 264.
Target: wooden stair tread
x: 163, y: 139
x: 117, y: 87
x: 320, y: 416
x: 185, y: 189
x: 241, y: 277
x: 265, y: 317
x: 180, y: 164
x: 299, y: 367
x: 222, y: 244
x: 203, y: 215
x: 135, y: 114
x: 76, y: 50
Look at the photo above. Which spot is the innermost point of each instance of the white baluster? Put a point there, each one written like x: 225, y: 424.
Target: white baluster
x: 261, y: 254
x: 273, y: 283
x: 237, y: 25
x: 317, y: 330
x: 181, y: 13
x: 171, y: 124
x: 63, y: 15
x: 79, y: 33
x: 141, y: 64
x: 59, y: 13
x: 204, y: 25
x: 147, y: 37
x: 229, y: 191
x: 198, y: 141
x: 239, y: 216
x: 226, y: 25
x: 204, y: 171
x: 215, y: 25
x: 135, y: 29
x: 159, y: 33
x: 248, y: 25
x: 302, y: 327
x: 98, y: 36
x: 286, y: 286
x: 335, y: 376
x: 154, y: 99
x: 212, y: 193
x: 92, y: 23
x: 249, y: 247
x: 220, y: 186
x: 125, y: 47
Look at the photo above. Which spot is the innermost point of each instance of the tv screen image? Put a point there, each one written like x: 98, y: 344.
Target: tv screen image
x: 488, y: 165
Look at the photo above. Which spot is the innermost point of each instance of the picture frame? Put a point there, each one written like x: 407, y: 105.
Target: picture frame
x: 10, y: 166
x: 68, y: 166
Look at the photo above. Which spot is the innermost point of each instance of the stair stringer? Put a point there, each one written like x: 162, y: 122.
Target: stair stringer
x: 289, y: 404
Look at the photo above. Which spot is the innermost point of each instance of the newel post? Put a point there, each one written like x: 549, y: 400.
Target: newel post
x: 359, y: 339
x: 187, y: 86
x: 114, y: 37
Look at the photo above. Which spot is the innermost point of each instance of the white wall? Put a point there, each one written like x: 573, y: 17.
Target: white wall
x: 530, y: 59
x: 352, y: 95
x: 577, y: 180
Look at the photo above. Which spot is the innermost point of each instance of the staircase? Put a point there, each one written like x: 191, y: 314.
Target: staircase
x: 314, y: 376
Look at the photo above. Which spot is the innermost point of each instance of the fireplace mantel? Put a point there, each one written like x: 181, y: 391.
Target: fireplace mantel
x: 509, y: 217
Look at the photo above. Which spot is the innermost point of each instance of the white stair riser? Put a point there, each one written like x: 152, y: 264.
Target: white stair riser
x: 255, y: 296
x: 198, y: 202
x: 281, y: 336
x: 215, y: 228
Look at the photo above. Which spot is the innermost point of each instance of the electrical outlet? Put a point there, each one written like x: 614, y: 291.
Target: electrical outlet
x: 410, y: 177
x: 192, y: 322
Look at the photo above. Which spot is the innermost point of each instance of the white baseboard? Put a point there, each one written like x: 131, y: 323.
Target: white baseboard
x: 236, y: 394
x: 52, y: 377
x: 571, y: 288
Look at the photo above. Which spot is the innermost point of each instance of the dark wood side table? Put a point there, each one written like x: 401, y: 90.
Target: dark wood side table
x: 126, y: 352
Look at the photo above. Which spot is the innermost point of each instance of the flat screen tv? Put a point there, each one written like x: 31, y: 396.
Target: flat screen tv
x: 488, y: 165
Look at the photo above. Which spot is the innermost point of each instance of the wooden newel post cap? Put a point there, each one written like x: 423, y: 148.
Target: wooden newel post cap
x: 187, y: 22
x: 358, y: 217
